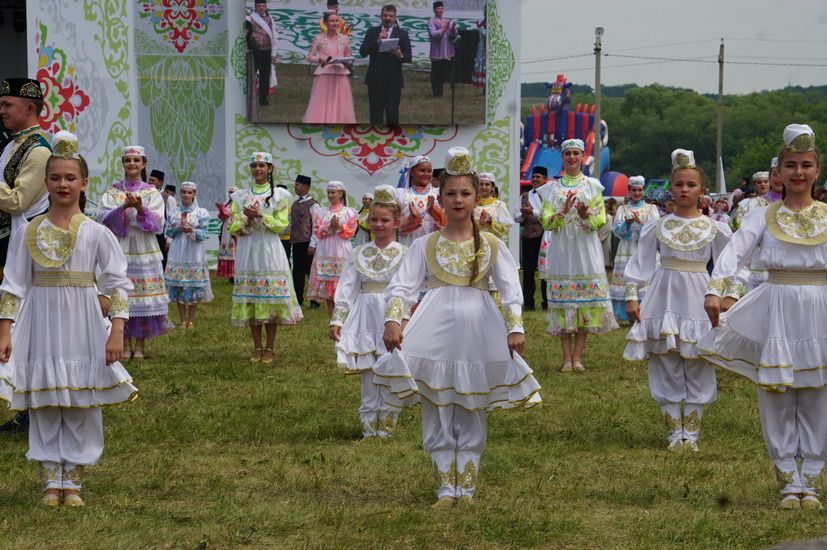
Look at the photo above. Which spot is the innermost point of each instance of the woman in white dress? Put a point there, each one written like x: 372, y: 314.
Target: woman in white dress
x: 263, y: 287
x: 333, y: 227
x: 64, y: 354
x: 627, y: 225
x: 187, y: 275
x: 460, y: 357
x: 775, y: 335
x: 578, y: 290
x: 670, y: 322
x: 492, y: 214
x: 358, y: 319
x: 421, y: 213
x: 134, y: 211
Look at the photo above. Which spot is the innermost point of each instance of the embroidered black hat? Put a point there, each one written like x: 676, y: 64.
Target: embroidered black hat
x: 303, y: 179
x: 27, y: 88
x: 157, y: 174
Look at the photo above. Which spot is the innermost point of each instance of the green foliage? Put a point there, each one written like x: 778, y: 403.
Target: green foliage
x: 651, y: 121
x: 221, y: 453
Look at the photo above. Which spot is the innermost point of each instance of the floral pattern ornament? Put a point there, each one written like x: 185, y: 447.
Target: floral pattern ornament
x: 500, y: 59
x: 63, y: 99
x: 181, y: 22
x: 371, y: 148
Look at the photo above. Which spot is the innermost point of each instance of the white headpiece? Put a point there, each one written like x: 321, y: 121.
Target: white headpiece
x: 418, y: 160
x: 487, y: 176
x: 65, y: 145
x: 760, y: 175
x: 799, y: 138
x: 261, y: 157
x: 572, y: 144
x: 637, y: 181
x: 774, y: 162
x: 682, y: 158
x: 189, y: 185
x: 133, y: 150
x: 335, y: 185
x: 458, y: 161
x: 385, y: 194
x: 368, y: 196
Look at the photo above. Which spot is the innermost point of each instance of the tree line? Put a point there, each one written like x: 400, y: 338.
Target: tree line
x: 647, y: 122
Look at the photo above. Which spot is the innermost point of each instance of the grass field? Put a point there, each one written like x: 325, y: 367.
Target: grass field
x: 418, y: 106
x: 219, y: 453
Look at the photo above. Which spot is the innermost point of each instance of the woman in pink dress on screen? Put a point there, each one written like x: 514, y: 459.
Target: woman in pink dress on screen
x: 331, y: 101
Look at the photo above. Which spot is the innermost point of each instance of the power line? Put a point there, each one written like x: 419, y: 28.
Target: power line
x: 543, y: 59
x: 668, y: 44
x: 776, y: 40
x: 689, y: 60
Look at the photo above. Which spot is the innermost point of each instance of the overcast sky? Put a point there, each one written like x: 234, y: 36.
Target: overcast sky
x: 755, y: 31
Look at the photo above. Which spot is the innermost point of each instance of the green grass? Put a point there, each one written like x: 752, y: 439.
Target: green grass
x: 417, y: 106
x: 219, y: 453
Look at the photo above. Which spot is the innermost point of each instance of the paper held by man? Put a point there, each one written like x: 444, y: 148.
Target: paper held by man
x: 388, y: 44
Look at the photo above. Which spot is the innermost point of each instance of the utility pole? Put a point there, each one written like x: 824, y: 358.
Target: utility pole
x: 598, y: 47
x: 719, y: 147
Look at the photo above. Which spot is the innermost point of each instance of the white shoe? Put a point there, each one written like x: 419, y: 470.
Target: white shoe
x: 811, y: 502
x: 790, y: 502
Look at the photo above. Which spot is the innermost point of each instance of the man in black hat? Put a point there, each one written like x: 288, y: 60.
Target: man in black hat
x: 301, y: 230
x: 531, y: 237
x: 384, y: 77
x: 22, y: 172
x: 156, y: 179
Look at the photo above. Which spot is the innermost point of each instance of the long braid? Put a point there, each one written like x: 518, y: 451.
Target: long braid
x: 475, y: 267
x: 272, y: 190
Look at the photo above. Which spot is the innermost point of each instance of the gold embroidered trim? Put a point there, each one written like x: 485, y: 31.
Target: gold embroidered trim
x: 339, y: 316
x: 784, y: 478
x: 512, y: 320
x: 75, y: 475
x: 369, y: 287
x: 376, y: 263
x: 394, y: 310
x: 692, y: 423
x: 387, y: 424
x: 808, y: 227
x: 8, y: 306
x: 631, y: 292
x: 672, y: 424
x: 686, y: 236
x: 459, y: 259
x: 467, y: 478
x: 434, y: 282
x: 448, y: 478
x: 63, y: 278
x: 790, y: 277
x: 48, y: 474
x: 717, y: 285
x: 118, y: 304
x: 813, y: 480
x: 61, y: 242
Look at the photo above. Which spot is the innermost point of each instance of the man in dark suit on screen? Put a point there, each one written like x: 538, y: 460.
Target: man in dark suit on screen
x: 384, y: 77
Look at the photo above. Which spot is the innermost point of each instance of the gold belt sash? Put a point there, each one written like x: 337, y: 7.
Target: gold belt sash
x: 677, y: 264
x: 374, y: 288
x: 785, y: 277
x: 434, y: 282
x: 63, y: 278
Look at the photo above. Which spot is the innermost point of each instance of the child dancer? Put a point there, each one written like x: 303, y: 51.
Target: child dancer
x: 628, y: 222
x: 418, y: 199
x: 491, y: 214
x: 671, y: 320
x: 459, y: 357
x: 226, y: 242
x: 63, y: 365
x: 263, y: 290
x: 187, y: 276
x: 333, y: 226
x: 578, y: 290
x: 775, y: 335
x: 134, y: 211
x: 761, y: 184
x: 358, y: 319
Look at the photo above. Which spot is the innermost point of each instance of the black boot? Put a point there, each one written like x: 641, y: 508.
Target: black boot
x: 17, y: 425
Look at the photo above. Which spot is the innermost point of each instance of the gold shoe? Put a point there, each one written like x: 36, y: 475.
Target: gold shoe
x: 444, y: 503
x: 466, y: 500
x: 265, y: 359
x: 790, y: 502
x: 567, y: 366
x: 50, y: 499
x: 810, y: 502
x: 255, y: 357
x: 73, y: 500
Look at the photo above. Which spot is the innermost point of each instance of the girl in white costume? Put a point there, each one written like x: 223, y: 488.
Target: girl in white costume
x: 358, y: 319
x: 64, y: 366
x: 627, y: 225
x: 263, y: 286
x: 333, y: 227
x: 672, y: 319
x: 459, y: 357
x: 776, y: 334
x: 578, y: 291
x: 761, y: 185
x: 187, y: 276
x: 421, y: 213
x: 492, y: 214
